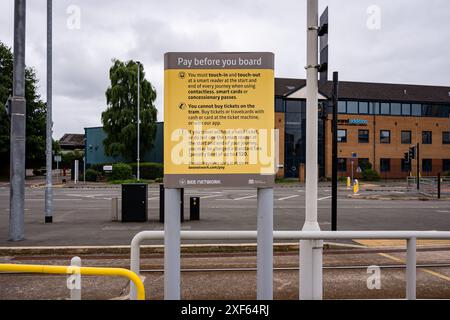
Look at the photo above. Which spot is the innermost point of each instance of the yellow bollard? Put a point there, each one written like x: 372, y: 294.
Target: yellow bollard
x: 349, y: 183
x: 356, y: 187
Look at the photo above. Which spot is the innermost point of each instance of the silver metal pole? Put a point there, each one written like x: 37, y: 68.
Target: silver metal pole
x: 138, y: 120
x: 172, y: 226
x: 49, y: 124
x: 411, y: 269
x: 76, y: 169
x: 311, y: 224
x: 265, y: 245
x: 75, y: 293
x: 18, y: 125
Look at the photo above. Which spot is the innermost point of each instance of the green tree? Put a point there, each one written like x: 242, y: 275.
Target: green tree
x: 35, y: 118
x: 120, y: 118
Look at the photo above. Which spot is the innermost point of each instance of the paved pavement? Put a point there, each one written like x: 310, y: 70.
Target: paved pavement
x: 82, y: 215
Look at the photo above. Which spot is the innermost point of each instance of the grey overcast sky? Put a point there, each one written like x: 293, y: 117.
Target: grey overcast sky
x: 407, y: 42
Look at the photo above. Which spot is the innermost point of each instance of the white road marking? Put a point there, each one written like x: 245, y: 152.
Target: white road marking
x: 324, y: 198
x: 244, y: 198
x: 54, y: 199
x: 211, y: 196
x: 290, y: 197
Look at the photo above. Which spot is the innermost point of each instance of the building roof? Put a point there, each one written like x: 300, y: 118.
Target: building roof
x: 72, y: 140
x: 372, y: 91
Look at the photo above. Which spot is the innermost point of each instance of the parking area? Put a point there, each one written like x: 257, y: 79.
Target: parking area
x: 82, y: 215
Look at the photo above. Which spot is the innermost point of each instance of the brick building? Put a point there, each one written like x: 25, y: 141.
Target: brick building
x: 377, y: 123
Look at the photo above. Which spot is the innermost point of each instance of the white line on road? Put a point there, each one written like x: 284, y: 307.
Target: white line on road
x: 211, y: 196
x: 290, y: 197
x: 54, y: 199
x: 243, y: 198
x: 324, y: 198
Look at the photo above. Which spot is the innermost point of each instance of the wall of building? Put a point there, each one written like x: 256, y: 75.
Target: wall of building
x: 374, y: 150
x: 95, y: 151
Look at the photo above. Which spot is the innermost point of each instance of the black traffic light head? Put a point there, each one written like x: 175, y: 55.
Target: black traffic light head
x: 406, y: 157
x: 412, y: 152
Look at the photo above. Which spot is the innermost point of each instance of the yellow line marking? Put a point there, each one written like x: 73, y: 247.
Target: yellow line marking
x: 391, y: 257
x: 433, y: 273
x: 436, y: 274
x: 395, y: 243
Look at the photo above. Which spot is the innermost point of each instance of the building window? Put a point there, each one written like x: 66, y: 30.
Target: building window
x: 406, y: 137
x: 427, y: 137
x: 279, y: 105
x: 406, y: 166
x: 427, y: 165
x: 444, y: 111
x: 396, y: 109
x: 352, y: 107
x: 363, y: 107
x: 446, y: 137
x: 406, y: 109
x: 342, y: 165
x: 342, y: 107
x: 427, y: 110
x: 385, y: 109
x: 294, y: 105
x: 363, y: 136
x: 342, y: 135
x: 385, y: 165
x: 446, y: 165
x: 385, y: 136
x: 374, y: 108
x: 416, y: 109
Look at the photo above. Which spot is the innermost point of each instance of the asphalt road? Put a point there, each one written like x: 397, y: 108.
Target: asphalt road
x: 82, y: 216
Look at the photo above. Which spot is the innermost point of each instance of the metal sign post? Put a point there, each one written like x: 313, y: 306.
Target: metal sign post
x: 172, y: 226
x: 49, y: 122
x: 76, y: 171
x: 264, y: 276
x: 219, y: 132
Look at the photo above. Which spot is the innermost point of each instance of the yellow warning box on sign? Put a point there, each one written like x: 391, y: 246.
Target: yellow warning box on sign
x: 219, y: 120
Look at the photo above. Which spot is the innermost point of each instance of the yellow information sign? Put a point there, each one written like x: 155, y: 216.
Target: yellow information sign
x: 219, y: 120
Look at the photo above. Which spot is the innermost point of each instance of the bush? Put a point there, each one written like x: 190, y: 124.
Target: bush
x: 92, y: 175
x: 121, y: 171
x: 370, y: 175
x: 149, y: 170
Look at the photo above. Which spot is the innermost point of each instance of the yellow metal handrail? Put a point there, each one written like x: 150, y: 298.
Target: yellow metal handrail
x: 93, y: 271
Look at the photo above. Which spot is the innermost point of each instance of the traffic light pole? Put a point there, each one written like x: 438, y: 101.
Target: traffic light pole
x: 334, y: 153
x: 418, y: 166
x: 311, y: 250
x: 18, y: 123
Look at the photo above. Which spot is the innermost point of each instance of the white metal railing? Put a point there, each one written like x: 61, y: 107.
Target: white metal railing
x: 410, y: 236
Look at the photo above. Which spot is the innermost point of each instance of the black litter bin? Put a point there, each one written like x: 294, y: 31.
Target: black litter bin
x: 134, y: 202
